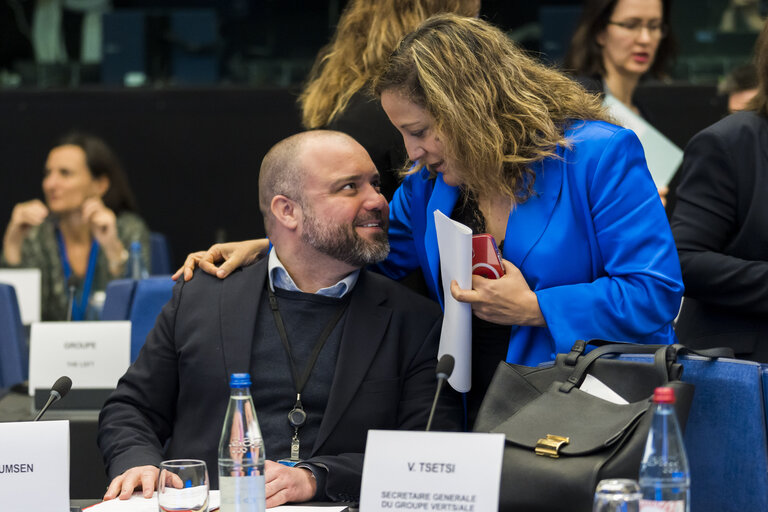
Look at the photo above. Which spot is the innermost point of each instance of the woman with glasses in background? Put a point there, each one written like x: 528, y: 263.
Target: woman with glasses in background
x: 616, y: 43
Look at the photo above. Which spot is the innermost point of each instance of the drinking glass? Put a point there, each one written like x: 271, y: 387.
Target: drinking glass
x: 617, y: 495
x: 183, y: 486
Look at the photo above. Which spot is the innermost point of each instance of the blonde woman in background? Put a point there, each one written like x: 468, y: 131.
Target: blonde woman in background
x: 336, y: 96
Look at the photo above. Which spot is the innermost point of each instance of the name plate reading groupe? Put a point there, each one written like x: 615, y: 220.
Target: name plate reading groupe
x: 34, y: 466
x: 93, y: 354
x: 443, y: 471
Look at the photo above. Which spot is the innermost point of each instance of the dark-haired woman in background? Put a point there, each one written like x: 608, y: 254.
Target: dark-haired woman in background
x: 617, y: 42
x: 79, y: 236
x: 720, y: 226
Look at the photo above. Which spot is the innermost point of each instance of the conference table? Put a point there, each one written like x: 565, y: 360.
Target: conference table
x: 87, y: 480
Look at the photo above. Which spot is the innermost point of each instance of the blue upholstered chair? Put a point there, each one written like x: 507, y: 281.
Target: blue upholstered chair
x: 160, y: 252
x: 137, y: 301
x: 14, y: 354
x: 149, y: 298
x: 725, y: 437
x: 118, y: 300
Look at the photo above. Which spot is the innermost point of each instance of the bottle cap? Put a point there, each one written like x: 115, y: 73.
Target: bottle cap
x: 135, y: 245
x: 240, y: 380
x: 664, y: 395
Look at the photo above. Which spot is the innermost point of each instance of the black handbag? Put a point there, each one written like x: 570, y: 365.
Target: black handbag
x: 560, y: 440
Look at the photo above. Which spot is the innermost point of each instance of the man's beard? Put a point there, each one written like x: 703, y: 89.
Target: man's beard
x: 342, y: 242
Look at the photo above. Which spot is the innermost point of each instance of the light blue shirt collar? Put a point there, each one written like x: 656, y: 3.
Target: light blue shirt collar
x: 279, y: 278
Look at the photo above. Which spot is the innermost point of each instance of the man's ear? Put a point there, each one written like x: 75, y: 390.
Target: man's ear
x: 286, y: 211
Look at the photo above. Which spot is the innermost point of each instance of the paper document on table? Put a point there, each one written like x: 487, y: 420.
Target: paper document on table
x: 661, y: 154
x: 138, y: 503
x: 306, y: 508
x: 455, y: 243
x: 598, y: 388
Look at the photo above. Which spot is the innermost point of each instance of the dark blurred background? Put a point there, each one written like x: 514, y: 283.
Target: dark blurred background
x: 192, y: 93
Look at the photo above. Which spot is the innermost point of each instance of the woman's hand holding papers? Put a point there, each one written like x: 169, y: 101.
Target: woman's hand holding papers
x: 506, y: 301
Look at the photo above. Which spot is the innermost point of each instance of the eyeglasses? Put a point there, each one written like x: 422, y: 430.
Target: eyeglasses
x: 655, y: 28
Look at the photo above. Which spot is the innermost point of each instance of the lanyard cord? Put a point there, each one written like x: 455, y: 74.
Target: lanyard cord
x: 78, y: 310
x: 300, y: 382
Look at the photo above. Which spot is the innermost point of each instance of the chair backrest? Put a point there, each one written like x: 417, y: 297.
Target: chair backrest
x: 14, y: 353
x: 725, y: 437
x: 118, y: 300
x: 160, y: 253
x: 149, y: 298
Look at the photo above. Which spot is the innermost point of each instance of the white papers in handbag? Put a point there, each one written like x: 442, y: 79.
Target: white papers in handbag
x: 595, y: 387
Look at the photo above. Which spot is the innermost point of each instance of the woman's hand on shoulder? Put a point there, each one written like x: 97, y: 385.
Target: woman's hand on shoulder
x: 230, y: 256
x: 505, y: 301
x: 24, y: 216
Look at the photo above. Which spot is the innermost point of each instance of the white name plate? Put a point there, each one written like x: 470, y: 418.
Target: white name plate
x: 431, y: 471
x: 92, y: 354
x: 34, y: 466
x: 26, y: 282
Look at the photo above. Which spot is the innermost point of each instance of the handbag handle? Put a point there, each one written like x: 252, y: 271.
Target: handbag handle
x: 659, y: 360
x: 664, y: 357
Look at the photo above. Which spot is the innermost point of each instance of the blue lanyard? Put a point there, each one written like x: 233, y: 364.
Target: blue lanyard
x: 78, y: 309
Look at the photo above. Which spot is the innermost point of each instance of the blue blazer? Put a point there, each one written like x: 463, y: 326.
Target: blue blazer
x: 593, y: 243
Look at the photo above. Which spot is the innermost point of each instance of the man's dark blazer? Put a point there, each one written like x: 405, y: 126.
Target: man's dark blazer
x: 720, y: 225
x: 172, y: 400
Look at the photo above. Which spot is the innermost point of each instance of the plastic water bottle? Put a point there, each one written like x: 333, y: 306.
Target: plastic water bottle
x: 135, y: 267
x: 241, y: 452
x: 664, y: 477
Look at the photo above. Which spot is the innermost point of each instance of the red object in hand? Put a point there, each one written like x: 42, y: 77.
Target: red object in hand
x: 486, y: 258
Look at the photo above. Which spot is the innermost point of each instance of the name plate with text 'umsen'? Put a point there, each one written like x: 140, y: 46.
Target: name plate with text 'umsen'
x: 34, y: 465
x: 444, y: 471
x: 93, y: 354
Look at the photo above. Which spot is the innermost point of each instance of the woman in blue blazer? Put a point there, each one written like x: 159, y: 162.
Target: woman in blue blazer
x: 512, y: 148
x: 515, y: 149
x: 569, y: 194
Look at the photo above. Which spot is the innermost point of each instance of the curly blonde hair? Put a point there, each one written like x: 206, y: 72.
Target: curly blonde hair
x: 367, y: 33
x: 496, y: 110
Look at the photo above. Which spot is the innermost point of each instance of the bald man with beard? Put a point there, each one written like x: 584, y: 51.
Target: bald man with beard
x: 326, y: 219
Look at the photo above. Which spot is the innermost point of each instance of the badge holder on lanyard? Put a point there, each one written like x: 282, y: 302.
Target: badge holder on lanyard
x: 78, y: 309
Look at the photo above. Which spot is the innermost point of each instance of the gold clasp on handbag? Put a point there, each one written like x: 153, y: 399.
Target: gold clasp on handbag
x: 550, y: 446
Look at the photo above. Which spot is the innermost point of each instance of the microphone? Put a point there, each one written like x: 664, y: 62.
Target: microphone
x: 71, y: 287
x: 60, y: 388
x: 443, y: 370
